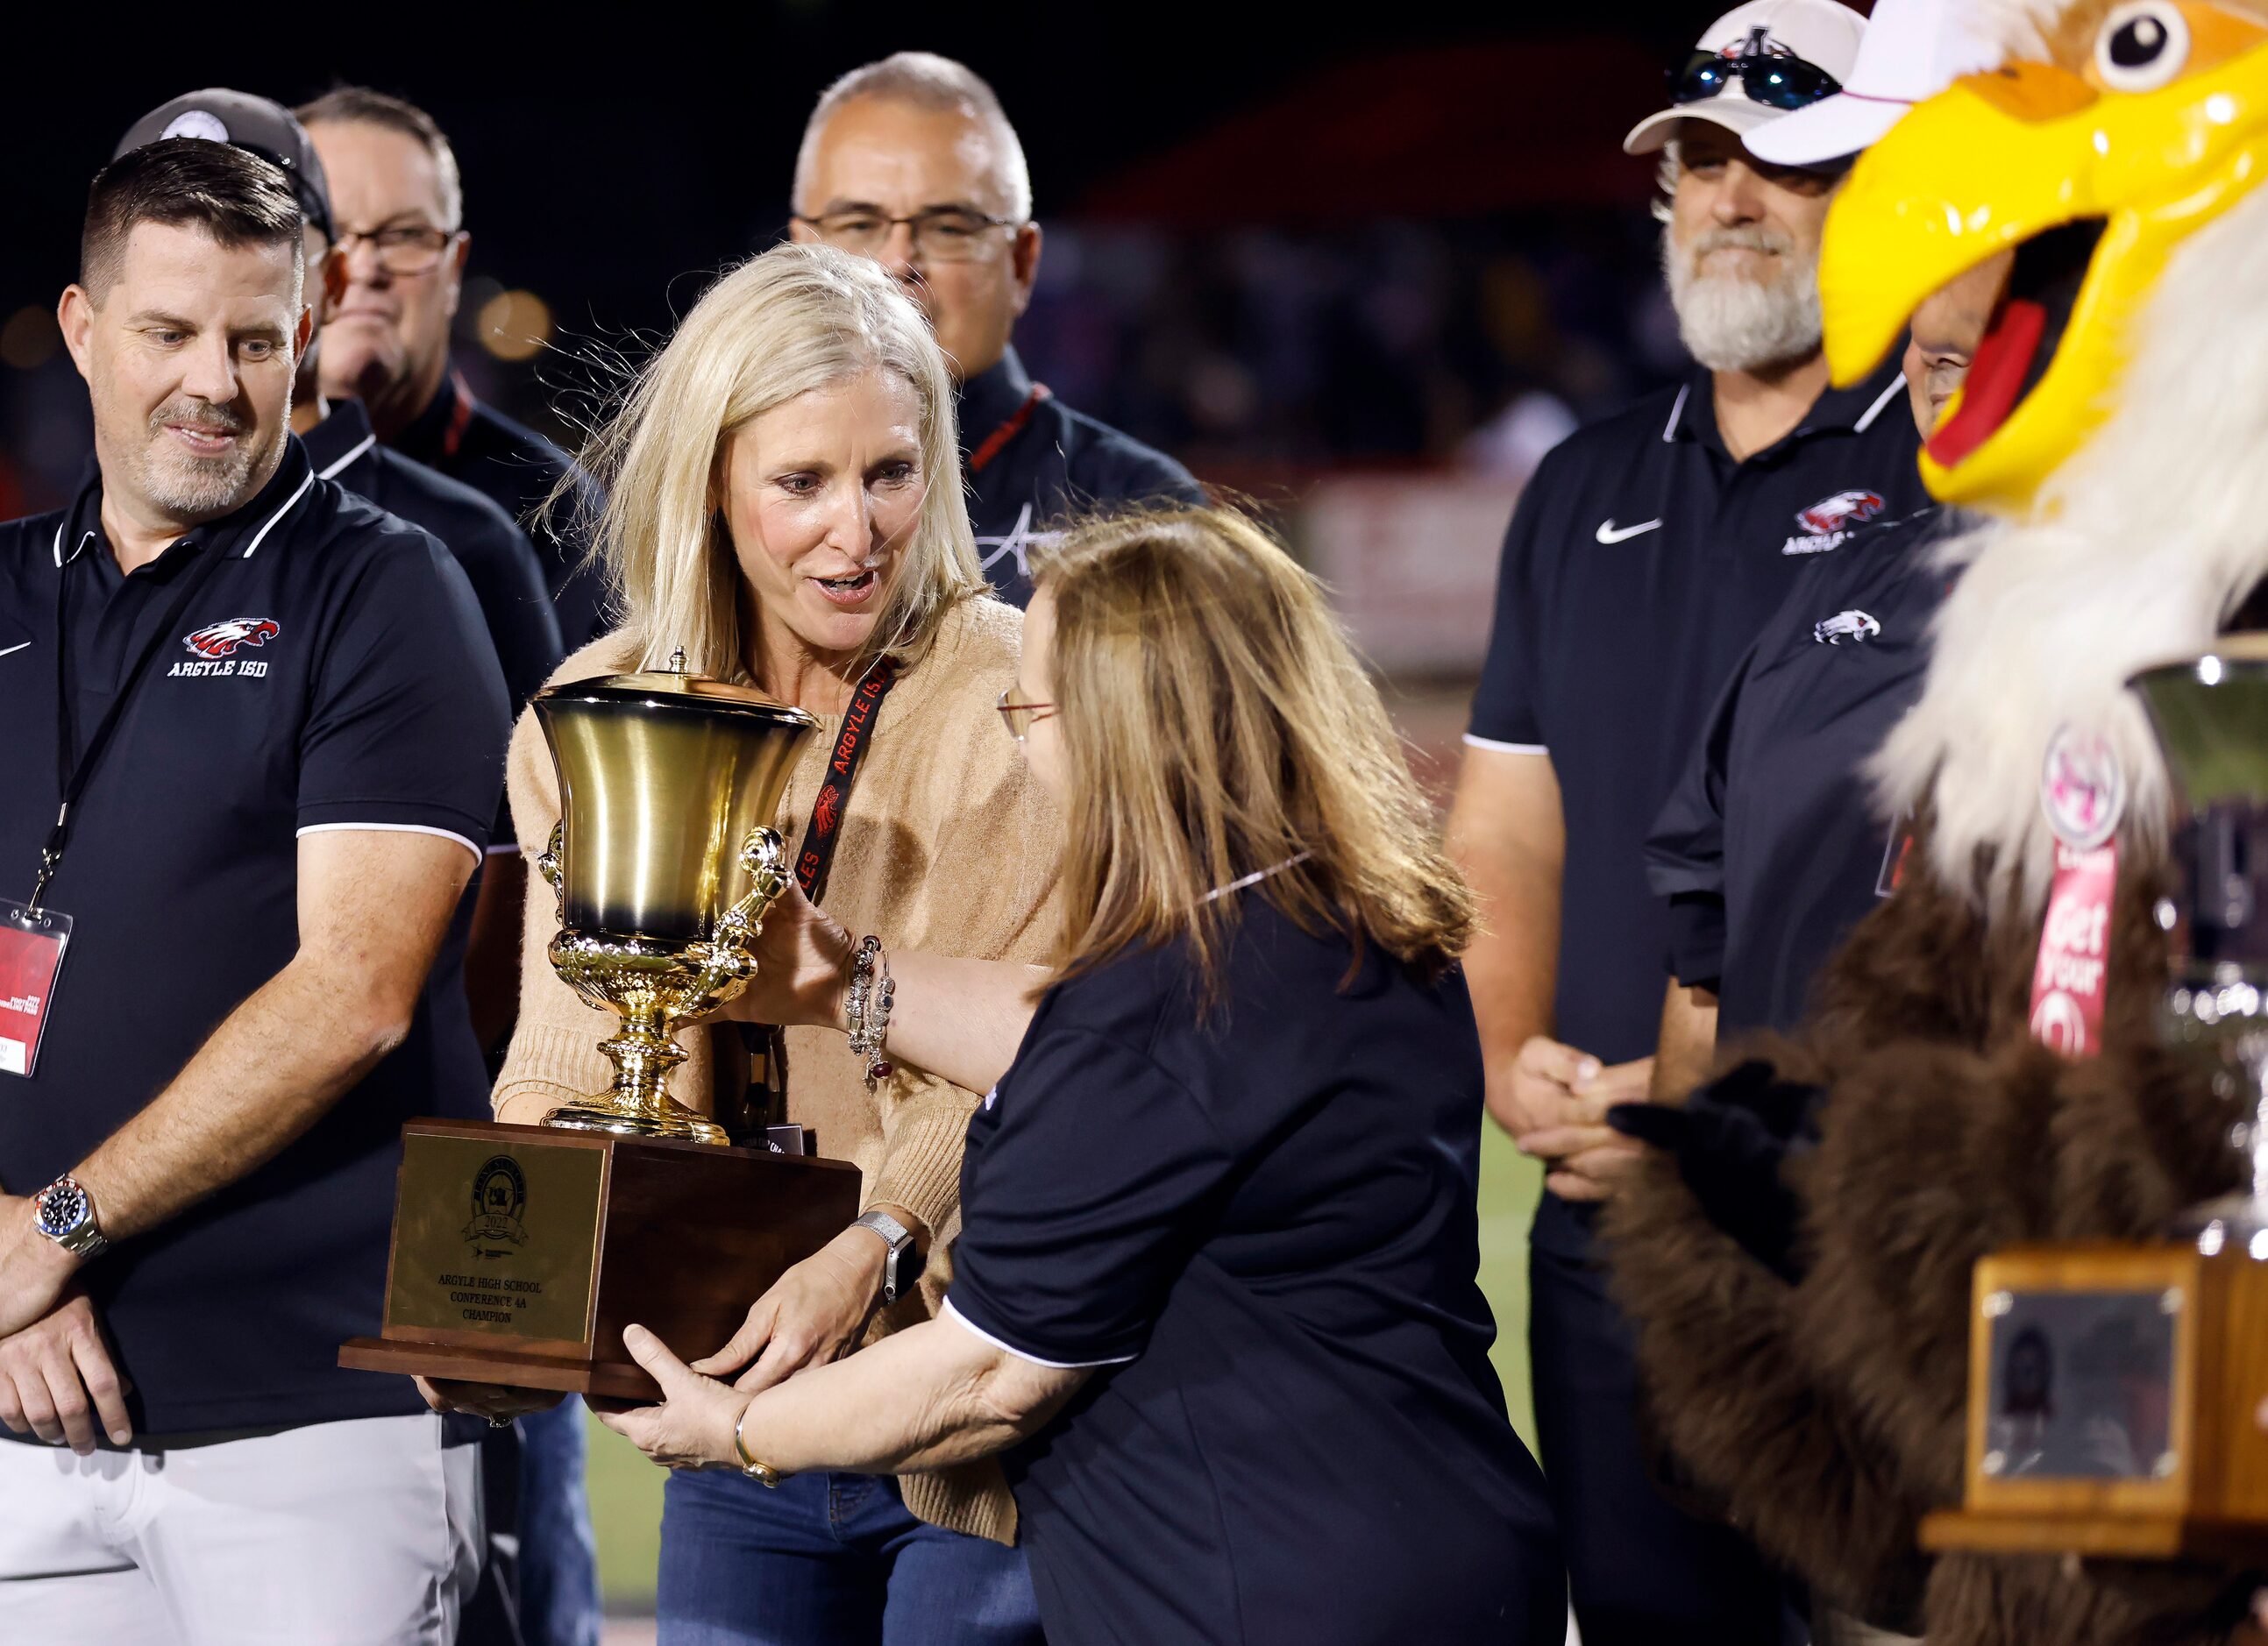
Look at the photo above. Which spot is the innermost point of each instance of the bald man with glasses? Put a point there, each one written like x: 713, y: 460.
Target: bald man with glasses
x: 912, y: 162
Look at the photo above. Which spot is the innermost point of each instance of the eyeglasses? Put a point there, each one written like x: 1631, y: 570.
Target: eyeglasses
x: 1021, y: 718
x: 1772, y: 75
x: 399, y: 251
x: 942, y: 234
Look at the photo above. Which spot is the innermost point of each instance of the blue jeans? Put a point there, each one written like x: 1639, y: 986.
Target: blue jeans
x: 830, y: 1559
x: 558, y: 1555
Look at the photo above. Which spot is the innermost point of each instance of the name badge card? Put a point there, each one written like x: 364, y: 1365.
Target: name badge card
x: 2083, y: 794
x: 32, y: 942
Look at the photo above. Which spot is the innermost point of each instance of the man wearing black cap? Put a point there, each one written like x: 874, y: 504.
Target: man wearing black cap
x: 498, y: 558
x: 400, y: 203
x: 912, y: 162
x: 258, y: 734
x: 1644, y: 555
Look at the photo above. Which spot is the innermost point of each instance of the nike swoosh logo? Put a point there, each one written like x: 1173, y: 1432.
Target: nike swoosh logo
x: 18, y: 646
x: 1610, y: 532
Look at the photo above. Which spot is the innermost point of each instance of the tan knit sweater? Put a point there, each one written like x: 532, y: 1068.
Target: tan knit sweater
x: 949, y: 846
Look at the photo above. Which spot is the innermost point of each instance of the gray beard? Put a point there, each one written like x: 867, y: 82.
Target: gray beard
x: 198, y: 488
x: 191, y: 488
x: 1733, y: 325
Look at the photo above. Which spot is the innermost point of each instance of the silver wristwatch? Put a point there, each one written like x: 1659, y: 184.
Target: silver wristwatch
x: 63, y: 1212
x: 903, y: 1265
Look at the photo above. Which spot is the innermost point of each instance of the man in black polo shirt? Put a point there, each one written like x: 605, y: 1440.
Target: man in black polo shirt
x: 400, y: 205
x: 260, y: 732
x: 498, y: 558
x: 1644, y: 555
x: 912, y: 162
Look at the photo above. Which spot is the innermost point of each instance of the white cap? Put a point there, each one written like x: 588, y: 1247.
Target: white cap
x: 1913, y: 50
x: 1822, y: 33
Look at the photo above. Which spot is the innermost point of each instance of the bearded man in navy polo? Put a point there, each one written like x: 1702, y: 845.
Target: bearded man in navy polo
x: 261, y: 732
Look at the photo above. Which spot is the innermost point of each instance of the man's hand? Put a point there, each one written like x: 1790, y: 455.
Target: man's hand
x: 34, y: 1269
x: 813, y: 1313
x: 1562, y: 1097
x: 56, y: 1380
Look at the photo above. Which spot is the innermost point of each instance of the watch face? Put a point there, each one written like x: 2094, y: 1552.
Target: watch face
x: 61, y: 1209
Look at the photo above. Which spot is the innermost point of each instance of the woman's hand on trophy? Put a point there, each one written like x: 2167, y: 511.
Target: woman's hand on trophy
x: 803, y: 966
x: 691, y: 1427
x: 814, y: 1312
x: 492, y: 1400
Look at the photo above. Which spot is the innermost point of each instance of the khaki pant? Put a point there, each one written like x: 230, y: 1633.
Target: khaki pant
x: 364, y: 1533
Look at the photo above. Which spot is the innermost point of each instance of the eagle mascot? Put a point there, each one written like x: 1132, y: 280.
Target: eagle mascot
x: 1798, y: 1256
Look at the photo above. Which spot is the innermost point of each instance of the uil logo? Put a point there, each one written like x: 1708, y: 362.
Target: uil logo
x: 499, y: 1194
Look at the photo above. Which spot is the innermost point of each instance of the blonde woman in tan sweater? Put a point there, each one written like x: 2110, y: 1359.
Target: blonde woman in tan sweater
x: 784, y: 504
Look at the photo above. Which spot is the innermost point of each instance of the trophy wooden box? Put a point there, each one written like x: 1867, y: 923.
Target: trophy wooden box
x: 521, y: 1252
x: 2112, y: 1392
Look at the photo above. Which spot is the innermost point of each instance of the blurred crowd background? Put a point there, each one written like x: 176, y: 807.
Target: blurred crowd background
x: 1363, y: 268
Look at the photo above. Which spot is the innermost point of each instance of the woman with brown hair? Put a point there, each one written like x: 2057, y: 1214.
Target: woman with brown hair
x: 1214, y: 1292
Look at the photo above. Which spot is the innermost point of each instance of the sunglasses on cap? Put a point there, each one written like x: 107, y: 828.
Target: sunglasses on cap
x: 1776, y: 79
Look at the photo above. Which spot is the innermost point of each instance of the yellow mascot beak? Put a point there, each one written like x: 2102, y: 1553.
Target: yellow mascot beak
x: 2093, y: 185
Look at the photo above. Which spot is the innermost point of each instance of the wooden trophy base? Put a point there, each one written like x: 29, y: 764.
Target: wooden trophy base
x: 2113, y: 1395
x: 521, y: 1252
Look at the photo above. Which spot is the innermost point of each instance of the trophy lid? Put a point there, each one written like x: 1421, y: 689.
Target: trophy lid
x: 662, y: 688
x: 2210, y: 712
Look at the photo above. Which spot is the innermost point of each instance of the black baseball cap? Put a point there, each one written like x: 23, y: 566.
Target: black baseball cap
x: 252, y: 123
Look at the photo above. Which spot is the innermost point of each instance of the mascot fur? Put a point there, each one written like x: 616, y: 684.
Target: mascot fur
x: 2115, y: 421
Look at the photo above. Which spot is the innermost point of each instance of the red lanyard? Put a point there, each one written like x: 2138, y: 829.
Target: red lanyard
x: 819, y: 840
x: 1000, y: 437
x: 460, y: 414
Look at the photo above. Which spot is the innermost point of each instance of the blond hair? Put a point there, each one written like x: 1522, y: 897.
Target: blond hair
x: 796, y: 320
x: 1216, y: 722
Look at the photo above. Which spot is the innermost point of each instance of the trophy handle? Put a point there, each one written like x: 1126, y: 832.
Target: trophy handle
x: 726, y: 964
x: 548, y: 866
x: 764, y: 856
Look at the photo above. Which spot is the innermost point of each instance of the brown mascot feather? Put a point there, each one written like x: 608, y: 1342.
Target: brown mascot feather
x: 2115, y: 421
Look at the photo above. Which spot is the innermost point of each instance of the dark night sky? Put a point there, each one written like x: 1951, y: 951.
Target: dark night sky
x: 603, y: 158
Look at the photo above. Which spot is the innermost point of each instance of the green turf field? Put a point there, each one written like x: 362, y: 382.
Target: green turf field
x: 626, y: 1489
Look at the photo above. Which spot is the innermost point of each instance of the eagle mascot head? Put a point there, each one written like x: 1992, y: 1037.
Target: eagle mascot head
x: 2115, y: 421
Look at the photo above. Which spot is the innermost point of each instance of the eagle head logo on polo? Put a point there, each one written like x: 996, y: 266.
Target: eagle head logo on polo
x: 1851, y: 626
x: 214, y: 647
x: 219, y: 640
x: 1828, y: 521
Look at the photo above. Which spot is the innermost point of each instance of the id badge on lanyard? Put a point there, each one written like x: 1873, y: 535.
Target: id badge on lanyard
x: 33, y: 936
x: 31, y: 944
x: 2083, y: 792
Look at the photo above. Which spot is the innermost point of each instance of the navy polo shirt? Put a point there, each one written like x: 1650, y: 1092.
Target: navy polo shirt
x: 499, y: 559
x: 1770, y: 850
x: 1641, y: 562
x: 1262, y: 1232
x: 1031, y: 461
x: 331, y: 672
x: 518, y: 469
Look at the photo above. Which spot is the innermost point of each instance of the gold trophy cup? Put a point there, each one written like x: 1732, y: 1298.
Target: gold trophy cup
x: 521, y: 1251
x: 664, y: 861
